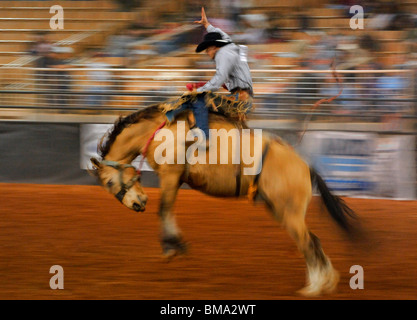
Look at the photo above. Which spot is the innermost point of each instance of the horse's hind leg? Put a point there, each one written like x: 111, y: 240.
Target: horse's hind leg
x: 287, y: 191
x: 321, y: 276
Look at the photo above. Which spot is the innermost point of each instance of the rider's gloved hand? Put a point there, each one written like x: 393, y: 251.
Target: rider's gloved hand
x: 194, y: 86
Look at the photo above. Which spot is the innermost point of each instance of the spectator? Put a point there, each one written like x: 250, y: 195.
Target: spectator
x: 40, y: 49
x: 59, y: 80
x: 192, y: 9
x: 304, y: 20
x: 274, y: 31
x: 306, y: 85
x: 233, y: 10
x: 331, y: 88
x: 391, y: 87
x: 255, y: 29
x: 367, y: 42
x: 99, y: 80
x: 129, y: 5
x: 368, y: 86
x: 118, y: 44
x: 401, y: 22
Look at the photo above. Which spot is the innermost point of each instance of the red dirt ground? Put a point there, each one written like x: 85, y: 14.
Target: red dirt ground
x: 236, y: 250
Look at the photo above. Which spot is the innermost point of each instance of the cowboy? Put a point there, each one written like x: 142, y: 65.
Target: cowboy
x: 232, y: 72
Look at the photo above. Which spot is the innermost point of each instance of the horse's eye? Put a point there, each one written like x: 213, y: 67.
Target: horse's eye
x: 109, y: 183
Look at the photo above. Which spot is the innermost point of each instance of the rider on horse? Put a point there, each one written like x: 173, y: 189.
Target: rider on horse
x: 232, y: 72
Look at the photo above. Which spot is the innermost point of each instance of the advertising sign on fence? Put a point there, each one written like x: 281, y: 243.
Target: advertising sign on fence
x: 343, y: 159
x: 363, y: 164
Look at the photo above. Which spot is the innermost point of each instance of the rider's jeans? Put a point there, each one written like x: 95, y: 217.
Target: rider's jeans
x: 200, y: 111
x: 201, y: 114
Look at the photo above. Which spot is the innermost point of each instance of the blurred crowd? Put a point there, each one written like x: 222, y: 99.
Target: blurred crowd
x: 150, y: 38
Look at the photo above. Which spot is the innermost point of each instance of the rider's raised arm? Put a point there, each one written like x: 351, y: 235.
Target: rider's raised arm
x: 204, y: 22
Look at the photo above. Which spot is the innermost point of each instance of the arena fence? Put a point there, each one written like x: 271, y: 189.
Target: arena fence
x: 371, y: 96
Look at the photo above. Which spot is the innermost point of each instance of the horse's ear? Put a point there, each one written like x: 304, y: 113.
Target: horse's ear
x: 95, y: 162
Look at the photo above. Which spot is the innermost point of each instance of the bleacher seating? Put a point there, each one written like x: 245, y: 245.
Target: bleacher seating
x: 286, y: 15
x: 89, y: 23
x: 85, y: 22
x: 20, y: 19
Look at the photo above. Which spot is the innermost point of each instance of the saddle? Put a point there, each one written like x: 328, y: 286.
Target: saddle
x: 234, y: 107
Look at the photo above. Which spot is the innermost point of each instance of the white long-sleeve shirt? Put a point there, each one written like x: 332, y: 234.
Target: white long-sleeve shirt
x: 232, y: 67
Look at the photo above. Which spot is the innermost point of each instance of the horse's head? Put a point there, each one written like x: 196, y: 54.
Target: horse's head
x: 122, y: 181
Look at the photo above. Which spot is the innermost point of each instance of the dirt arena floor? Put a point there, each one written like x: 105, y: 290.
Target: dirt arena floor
x: 236, y: 250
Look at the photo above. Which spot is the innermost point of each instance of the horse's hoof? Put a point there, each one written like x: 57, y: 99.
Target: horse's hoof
x: 168, y: 255
x: 331, y: 284
x: 309, y: 292
x: 172, y: 247
x: 327, y: 286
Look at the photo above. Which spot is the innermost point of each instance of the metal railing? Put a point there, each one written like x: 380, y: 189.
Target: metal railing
x: 371, y: 96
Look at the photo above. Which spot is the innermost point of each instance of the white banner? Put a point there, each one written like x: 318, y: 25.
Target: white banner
x: 395, y: 167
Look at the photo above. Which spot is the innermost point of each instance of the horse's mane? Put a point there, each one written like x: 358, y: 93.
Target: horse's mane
x: 124, y: 122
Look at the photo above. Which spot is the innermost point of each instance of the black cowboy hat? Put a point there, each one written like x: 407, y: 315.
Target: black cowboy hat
x: 211, y: 39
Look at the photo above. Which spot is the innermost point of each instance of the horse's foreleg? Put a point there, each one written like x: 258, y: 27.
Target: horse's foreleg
x: 171, y: 239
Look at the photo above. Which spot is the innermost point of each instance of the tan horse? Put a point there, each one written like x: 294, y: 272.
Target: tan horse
x: 284, y: 184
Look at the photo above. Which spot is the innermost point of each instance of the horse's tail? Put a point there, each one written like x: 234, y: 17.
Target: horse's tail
x: 337, y: 208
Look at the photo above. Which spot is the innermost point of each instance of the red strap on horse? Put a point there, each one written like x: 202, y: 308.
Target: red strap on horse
x: 145, y: 149
x: 336, y: 96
